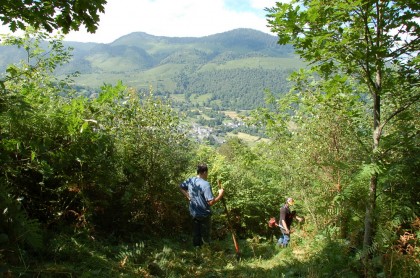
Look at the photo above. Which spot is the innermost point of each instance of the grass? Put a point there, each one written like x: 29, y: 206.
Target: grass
x: 178, y: 97
x: 161, y: 76
x: 255, y: 63
x: 83, y: 256
x: 200, y: 99
x: 232, y: 114
x: 247, y: 138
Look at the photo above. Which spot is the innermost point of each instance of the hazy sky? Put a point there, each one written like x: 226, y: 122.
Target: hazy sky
x: 175, y: 18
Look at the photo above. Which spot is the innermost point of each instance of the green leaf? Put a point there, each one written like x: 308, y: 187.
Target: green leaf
x: 84, y: 126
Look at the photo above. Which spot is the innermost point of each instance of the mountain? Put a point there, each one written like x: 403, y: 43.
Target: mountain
x: 229, y: 70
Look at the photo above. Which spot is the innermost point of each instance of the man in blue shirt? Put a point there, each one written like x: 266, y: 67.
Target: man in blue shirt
x: 198, y: 191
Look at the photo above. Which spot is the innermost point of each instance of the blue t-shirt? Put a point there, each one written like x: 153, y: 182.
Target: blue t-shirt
x: 200, y: 193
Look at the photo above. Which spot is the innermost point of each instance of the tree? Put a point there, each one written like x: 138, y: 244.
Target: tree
x: 374, y: 42
x: 35, y: 147
x: 53, y: 14
x: 67, y: 159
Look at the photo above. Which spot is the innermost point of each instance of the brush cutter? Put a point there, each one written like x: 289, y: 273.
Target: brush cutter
x: 235, y: 242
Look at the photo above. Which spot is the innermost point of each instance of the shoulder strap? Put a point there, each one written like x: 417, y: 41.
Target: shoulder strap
x: 280, y: 215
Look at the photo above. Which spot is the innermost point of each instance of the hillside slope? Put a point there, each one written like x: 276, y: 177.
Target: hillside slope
x: 231, y: 69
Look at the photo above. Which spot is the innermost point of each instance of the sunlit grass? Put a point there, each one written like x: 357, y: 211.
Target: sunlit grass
x: 200, y: 98
x: 256, y: 62
x: 83, y: 256
x: 247, y: 137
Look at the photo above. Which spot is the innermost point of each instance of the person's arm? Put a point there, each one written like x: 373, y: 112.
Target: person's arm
x: 215, y: 200
x: 185, y: 193
x: 295, y: 216
x: 283, y: 223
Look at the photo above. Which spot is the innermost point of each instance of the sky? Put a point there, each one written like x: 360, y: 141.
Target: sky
x: 174, y: 18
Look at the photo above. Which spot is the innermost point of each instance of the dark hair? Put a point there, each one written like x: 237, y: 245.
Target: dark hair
x: 202, y: 168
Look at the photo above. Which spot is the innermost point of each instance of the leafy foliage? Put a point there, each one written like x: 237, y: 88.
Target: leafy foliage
x: 52, y: 15
x: 89, y: 185
x: 367, y: 47
x: 82, y: 164
x: 151, y: 149
x: 16, y: 227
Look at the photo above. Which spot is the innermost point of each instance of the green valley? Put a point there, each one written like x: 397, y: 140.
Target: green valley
x: 222, y: 72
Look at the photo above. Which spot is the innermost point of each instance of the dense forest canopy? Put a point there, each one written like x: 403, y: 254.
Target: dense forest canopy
x: 89, y: 185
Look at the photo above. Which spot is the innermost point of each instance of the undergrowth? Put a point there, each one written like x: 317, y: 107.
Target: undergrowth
x: 83, y: 256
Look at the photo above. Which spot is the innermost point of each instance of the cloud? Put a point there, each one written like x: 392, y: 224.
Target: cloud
x: 181, y: 18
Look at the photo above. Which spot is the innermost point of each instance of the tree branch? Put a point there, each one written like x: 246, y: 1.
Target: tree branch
x: 413, y: 100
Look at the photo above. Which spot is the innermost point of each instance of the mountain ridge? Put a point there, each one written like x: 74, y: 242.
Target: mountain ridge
x: 228, y: 70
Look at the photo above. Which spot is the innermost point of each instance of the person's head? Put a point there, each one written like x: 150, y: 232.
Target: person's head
x: 290, y: 201
x: 202, y: 169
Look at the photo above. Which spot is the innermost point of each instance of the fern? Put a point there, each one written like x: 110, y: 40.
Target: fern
x: 368, y: 251
x: 134, y: 254
x: 15, y: 224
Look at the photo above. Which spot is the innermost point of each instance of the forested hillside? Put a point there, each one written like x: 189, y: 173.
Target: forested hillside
x: 233, y: 67
x: 89, y: 183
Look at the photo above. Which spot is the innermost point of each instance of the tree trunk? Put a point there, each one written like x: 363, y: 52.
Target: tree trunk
x: 371, y: 201
x: 369, y: 224
x: 377, y: 131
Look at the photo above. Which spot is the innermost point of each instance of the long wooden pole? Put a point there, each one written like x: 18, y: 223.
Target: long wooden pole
x: 235, y: 242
